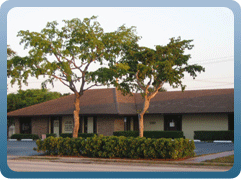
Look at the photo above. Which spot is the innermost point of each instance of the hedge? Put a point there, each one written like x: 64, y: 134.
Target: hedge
x: 121, y: 147
x: 151, y: 134
x: 49, y: 135
x: 70, y: 135
x: 25, y: 136
x: 214, y: 135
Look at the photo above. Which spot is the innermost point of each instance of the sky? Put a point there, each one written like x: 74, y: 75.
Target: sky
x: 211, y: 29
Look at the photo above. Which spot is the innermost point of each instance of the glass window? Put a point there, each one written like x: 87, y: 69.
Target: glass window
x: 68, y: 126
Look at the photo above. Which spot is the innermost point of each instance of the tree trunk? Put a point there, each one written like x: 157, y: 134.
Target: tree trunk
x: 76, y: 115
x: 141, y: 125
x: 141, y: 116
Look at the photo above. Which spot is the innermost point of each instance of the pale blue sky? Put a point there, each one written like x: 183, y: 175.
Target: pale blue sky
x: 212, y: 30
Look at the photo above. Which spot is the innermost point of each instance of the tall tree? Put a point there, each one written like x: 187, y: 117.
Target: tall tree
x: 66, y: 53
x: 29, y: 97
x: 147, y: 70
x: 10, y: 54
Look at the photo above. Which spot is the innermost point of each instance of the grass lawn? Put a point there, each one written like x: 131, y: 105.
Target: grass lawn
x: 228, y: 159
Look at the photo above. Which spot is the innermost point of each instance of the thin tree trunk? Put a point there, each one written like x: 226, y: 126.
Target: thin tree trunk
x: 141, y: 125
x: 141, y: 116
x: 76, y: 115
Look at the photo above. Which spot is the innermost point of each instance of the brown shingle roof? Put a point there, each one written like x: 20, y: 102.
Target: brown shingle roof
x: 111, y: 101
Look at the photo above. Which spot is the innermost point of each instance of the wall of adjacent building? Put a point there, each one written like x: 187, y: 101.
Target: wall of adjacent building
x: 106, y: 125
x: 154, y: 122
x: 200, y: 122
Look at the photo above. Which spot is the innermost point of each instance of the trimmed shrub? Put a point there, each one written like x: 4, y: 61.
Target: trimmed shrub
x: 214, y: 135
x: 126, y: 133
x: 84, y: 135
x: 49, y: 135
x: 25, y: 136
x: 121, y: 147
x: 151, y: 134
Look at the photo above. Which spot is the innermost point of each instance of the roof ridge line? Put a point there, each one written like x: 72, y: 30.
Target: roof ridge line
x: 41, y: 103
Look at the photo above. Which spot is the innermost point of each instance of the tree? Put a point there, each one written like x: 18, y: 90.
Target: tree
x: 146, y: 70
x: 75, y: 46
x: 10, y: 54
x: 29, y: 97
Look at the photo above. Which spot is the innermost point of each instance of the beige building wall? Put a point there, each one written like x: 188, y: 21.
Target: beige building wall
x: 199, y: 122
x: 153, y: 122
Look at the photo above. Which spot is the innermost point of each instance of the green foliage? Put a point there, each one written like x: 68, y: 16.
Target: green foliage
x: 75, y: 46
x: 29, y: 97
x: 126, y: 133
x: 83, y: 135
x: 113, y: 146
x: 10, y: 52
x: 214, y: 135
x: 164, y: 64
x: 51, y: 135
x: 151, y: 134
x: 25, y: 136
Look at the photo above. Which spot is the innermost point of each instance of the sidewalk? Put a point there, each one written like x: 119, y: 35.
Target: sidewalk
x: 106, y: 160
x: 209, y: 157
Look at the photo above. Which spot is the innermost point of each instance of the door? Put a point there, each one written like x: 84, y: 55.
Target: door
x: 56, y: 127
x: 172, y: 122
x: 25, y: 125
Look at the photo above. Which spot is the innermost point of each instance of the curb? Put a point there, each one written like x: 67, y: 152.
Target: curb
x: 25, y: 140
x: 11, y: 140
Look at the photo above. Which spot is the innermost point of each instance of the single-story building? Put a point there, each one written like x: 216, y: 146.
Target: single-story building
x: 104, y: 111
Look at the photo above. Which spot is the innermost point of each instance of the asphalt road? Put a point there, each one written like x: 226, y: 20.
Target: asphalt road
x: 34, y: 166
x: 212, y: 147
x: 19, y: 148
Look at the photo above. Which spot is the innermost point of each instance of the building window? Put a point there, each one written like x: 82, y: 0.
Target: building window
x: 85, y: 124
x: 173, y: 123
x: 80, y: 124
x: 127, y: 123
x: 95, y: 125
x: 68, y: 126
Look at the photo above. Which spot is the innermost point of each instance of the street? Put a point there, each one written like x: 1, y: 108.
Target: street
x: 34, y: 166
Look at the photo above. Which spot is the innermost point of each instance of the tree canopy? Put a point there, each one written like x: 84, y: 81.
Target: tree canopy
x: 66, y: 53
x: 29, y: 97
x: 147, y: 70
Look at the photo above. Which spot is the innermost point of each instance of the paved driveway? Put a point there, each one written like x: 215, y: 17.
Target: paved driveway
x: 209, y: 147
x: 19, y: 148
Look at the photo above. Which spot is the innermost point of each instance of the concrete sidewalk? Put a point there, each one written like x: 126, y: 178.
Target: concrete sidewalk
x: 209, y: 157
x: 106, y: 160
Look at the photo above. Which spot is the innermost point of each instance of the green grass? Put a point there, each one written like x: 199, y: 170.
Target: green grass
x: 228, y: 159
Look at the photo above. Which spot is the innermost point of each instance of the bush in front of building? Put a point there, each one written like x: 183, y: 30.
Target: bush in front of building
x: 25, y: 136
x: 84, y: 135
x: 214, y: 135
x: 126, y: 133
x: 121, y: 147
x: 151, y: 134
x: 49, y: 135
